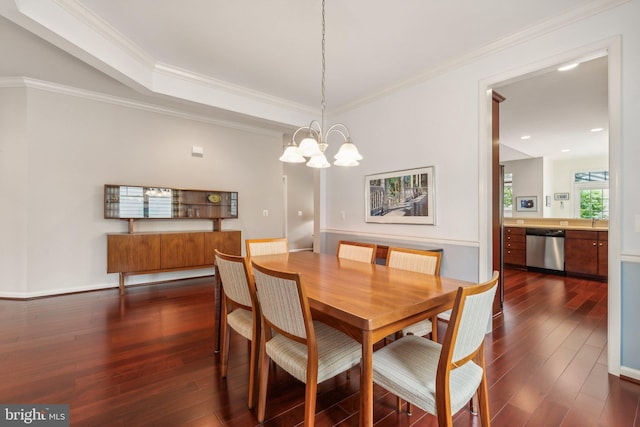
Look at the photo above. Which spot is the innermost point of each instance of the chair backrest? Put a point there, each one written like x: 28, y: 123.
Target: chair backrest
x: 283, y: 303
x: 420, y: 261
x: 235, y: 278
x: 357, y: 251
x: 468, y: 324
x: 257, y: 247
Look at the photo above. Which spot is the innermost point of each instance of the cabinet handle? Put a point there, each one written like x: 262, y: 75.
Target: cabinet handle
x: 600, y: 244
x: 508, y: 237
x: 594, y: 243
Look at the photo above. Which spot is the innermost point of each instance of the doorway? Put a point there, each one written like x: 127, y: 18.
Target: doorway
x: 611, y: 49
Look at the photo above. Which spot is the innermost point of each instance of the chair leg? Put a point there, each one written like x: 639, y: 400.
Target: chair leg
x: 482, y: 392
x: 310, y: 403
x: 253, y: 367
x: 434, y: 328
x: 399, y: 405
x: 483, y: 402
x: 262, y: 383
x: 473, y: 407
x: 224, y: 342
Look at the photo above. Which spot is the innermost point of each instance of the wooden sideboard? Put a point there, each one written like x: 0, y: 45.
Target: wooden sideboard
x: 145, y: 253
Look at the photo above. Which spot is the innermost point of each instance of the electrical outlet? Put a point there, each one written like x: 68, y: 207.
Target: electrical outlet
x: 343, y: 215
x: 265, y: 212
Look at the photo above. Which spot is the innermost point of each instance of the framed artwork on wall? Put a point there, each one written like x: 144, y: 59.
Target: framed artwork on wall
x: 527, y: 204
x: 401, y: 197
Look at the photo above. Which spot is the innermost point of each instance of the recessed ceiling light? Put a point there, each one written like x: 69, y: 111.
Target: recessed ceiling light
x: 596, y: 130
x: 525, y: 137
x: 568, y: 67
x: 565, y: 150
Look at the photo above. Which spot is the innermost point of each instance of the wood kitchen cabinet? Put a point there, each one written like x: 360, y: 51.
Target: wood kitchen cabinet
x: 586, y: 253
x: 514, y: 250
x: 144, y: 253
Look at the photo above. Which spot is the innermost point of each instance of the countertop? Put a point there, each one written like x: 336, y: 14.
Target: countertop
x: 558, y: 223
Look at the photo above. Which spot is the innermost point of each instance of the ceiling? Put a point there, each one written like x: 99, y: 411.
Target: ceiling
x: 262, y: 59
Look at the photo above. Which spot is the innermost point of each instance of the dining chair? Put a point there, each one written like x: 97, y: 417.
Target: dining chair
x: 257, y: 247
x: 310, y: 351
x: 357, y: 251
x: 442, y: 378
x: 420, y: 261
x: 240, y: 312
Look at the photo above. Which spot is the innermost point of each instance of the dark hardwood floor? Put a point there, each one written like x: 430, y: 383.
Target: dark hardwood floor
x: 147, y: 359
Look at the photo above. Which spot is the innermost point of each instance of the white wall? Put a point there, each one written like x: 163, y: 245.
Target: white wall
x: 528, y: 181
x: 563, y: 177
x: 436, y: 122
x: 13, y: 187
x: 299, y: 179
x: 52, y: 225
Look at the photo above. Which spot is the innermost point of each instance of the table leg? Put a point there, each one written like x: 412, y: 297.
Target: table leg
x: 217, y: 310
x: 121, y: 278
x: 366, y: 380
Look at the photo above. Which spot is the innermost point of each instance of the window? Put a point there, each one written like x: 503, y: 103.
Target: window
x: 592, y: 189
x: 507, y: 197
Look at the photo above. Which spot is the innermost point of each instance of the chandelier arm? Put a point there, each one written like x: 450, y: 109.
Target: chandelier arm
x: 339, y: 128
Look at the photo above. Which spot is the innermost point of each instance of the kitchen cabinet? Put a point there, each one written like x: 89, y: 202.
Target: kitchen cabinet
x: 514, y: 246
x: 586, y: 253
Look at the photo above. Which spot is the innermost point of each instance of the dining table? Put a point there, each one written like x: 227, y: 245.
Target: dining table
x: 366, y: 301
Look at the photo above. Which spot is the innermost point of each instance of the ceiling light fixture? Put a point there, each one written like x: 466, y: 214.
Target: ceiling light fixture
x: 568, y: 67
x: 315, y: 143
x: 565, y: 150
x: 525, y: 137
x: 596, y: 130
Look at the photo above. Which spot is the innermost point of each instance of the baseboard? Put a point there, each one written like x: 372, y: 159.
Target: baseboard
x: 630, y: 374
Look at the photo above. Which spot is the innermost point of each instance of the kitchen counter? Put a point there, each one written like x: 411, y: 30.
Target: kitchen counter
x: 559, y: 223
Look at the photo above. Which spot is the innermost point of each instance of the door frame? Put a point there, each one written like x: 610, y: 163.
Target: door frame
x: 612, y: 48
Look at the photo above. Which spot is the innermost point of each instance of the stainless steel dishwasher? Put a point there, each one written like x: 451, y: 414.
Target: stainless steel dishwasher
x: 545, y: 248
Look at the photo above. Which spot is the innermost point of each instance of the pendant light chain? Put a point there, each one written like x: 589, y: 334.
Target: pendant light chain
x: 314, y: 144
x: 322, y: 106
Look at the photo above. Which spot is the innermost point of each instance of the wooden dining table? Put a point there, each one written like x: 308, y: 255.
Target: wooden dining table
x: 366, y: 301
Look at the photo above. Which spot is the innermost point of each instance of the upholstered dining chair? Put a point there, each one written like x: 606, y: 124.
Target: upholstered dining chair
x: 257, y: 247
x: 310, y: 351
x: 441, y: 379
x: 357, y: 251
x: 240, y: 312
x: 420, y: 261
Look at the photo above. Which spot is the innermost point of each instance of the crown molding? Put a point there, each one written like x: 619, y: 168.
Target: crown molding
x: 78, y: 26
x: 536, y: 30
x: 26, y: 82
x: 69, y: 25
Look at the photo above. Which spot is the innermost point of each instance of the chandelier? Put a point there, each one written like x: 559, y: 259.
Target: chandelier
x: 315, y: 143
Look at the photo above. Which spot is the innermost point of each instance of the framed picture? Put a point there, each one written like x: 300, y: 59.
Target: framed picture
x: 560, y: 196
x: 527, y: 204
x: 401, y: 197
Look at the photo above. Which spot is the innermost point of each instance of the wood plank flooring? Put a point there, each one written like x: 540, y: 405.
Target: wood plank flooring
x: 147, y: 359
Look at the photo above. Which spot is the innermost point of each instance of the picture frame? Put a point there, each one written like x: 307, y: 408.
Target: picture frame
x: 527, y: 204
x: 401, y: 197
x: 560, y: 196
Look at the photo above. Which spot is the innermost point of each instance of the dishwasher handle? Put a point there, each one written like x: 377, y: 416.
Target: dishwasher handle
x: 546, y: 232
